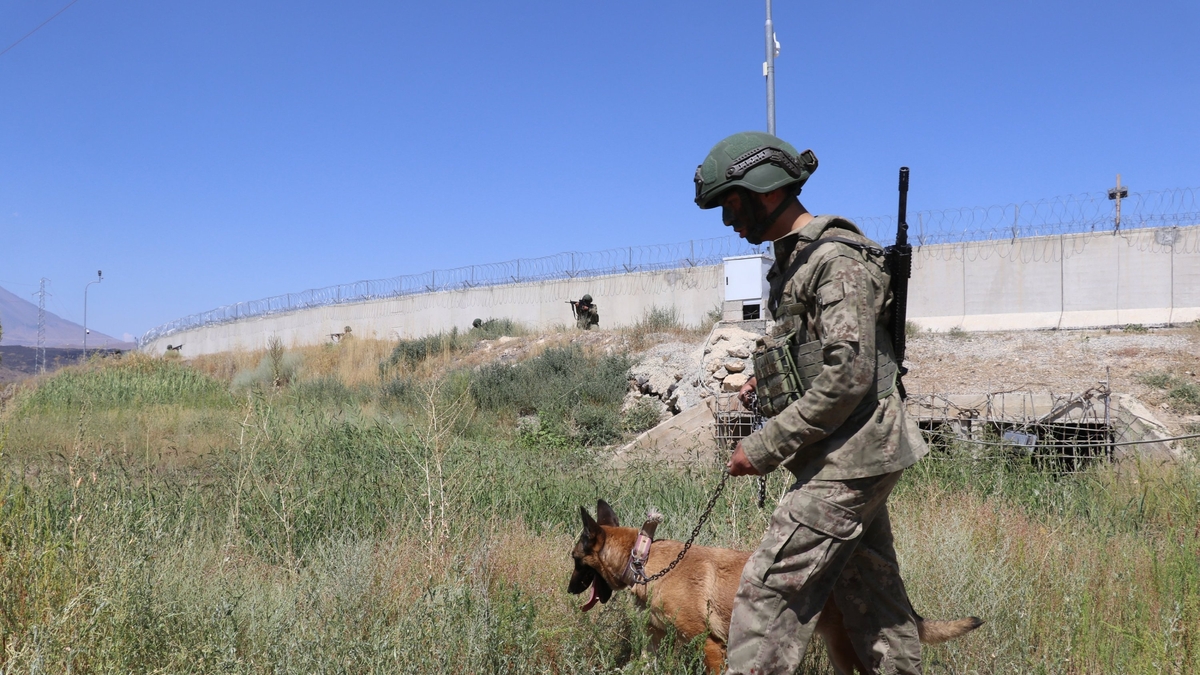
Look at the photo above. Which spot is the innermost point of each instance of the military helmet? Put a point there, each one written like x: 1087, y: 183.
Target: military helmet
x: 754, y: 160
x: 587, y: 298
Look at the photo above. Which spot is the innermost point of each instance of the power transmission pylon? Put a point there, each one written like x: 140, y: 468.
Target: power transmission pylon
x: 40, y: 356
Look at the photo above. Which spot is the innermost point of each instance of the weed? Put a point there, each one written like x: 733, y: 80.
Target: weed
x: 1185, y: 397
x: 654, y: 322
x: 956, y: 333
x: 712, y: 318
x: 1135, y: 328
x: 275, y: 370
x: 1156, y: 380
x: 643, y: 415
x: 912, y: 329
x: 563, y: 386
x: 658, y: 320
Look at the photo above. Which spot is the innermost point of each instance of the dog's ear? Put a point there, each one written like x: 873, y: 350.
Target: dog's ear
x: 590, y: 528
x: 605, y: 514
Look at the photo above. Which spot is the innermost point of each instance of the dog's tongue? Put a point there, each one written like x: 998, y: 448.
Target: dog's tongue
x: 593, y: 598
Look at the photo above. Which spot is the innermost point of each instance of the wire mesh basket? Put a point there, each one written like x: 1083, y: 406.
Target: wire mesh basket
x: 733, y: 421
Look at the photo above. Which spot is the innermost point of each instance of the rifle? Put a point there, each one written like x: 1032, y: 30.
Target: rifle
x: 574, y: 309
x: 899, y: 260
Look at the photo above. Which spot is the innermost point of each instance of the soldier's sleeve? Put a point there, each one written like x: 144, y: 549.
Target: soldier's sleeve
x: 845, y: 299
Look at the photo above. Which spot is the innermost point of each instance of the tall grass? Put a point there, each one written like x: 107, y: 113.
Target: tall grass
x: 432, y: 538
x: 133, y: 381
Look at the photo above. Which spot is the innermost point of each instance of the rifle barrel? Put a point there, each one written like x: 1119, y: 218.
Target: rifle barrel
x: 902, y: 216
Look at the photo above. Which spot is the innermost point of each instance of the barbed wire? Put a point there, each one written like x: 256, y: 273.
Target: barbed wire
x: 1072, y: 214
x: 1062, y: 215
x: 569, y: 265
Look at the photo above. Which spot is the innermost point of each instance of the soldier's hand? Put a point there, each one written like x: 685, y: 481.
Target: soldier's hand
x: 739, y: 464
x: 746, y: 390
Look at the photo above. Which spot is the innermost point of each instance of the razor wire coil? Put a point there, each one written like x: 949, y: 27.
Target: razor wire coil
x: 1072, y: 214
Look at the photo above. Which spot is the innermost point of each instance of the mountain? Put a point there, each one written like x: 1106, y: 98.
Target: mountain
x: 19, y: 317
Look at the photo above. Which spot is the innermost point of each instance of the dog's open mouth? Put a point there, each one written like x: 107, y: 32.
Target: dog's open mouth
x: 593, y: 596
x: 599, y: 591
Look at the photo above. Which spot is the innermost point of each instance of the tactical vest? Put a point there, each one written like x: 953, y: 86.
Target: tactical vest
x: 785, y: 368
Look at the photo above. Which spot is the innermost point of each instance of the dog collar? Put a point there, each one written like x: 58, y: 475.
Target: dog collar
x: 635, y: 569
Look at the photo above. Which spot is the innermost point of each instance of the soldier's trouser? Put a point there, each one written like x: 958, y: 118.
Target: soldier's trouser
x: 826, y: 537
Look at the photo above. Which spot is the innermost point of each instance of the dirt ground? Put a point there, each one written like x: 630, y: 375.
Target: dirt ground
x: 1059, y: 362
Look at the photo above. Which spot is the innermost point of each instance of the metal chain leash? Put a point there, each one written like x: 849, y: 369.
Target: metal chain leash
x: 639, y: 572
x: 755, y: 425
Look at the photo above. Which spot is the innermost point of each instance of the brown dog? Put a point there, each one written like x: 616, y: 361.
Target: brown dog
x: 697, y: 596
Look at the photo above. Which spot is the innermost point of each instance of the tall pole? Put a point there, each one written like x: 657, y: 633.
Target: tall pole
x: 40, y: 355
x: 769, y: 72
x: 99, y: 278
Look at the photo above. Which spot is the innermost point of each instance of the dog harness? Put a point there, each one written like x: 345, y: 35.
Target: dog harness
x: 635, y: 569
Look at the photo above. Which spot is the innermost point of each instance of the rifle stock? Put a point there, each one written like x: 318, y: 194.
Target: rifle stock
x: 899, y: 257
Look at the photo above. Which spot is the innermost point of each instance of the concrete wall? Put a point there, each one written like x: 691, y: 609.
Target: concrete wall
x: 1149, y: 276
x: 621, y: 299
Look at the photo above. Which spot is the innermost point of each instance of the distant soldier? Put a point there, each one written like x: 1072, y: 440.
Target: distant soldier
x: 586, y: 314
x: 477, y: 323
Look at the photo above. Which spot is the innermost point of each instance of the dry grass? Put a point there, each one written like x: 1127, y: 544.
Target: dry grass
x: 354, y: 362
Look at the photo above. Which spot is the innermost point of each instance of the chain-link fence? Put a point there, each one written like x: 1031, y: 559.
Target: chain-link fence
x: 1062, y: 215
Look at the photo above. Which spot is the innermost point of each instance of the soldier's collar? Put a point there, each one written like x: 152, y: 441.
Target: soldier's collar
x: 809, y: 233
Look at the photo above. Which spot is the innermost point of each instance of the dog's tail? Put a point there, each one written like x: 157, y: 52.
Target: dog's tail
x: 937, y: 632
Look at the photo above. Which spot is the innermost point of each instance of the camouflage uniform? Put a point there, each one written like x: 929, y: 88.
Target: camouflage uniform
x: 587, y: 316
x: 847, y: 440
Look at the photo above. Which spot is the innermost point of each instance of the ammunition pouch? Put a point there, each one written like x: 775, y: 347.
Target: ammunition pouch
x: 784, y: 370
x: 776, y: 375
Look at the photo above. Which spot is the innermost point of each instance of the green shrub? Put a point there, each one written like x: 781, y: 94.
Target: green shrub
x: 404, y: 390
x: 1135, y: 328
x: 558, y: 386
x: 1156, y: 380
x: 658, y: 320
x: 641, y: 416
x: 275, y: 370
x: 327, y: 389
x: 596, y: 424
x: 494, y: 328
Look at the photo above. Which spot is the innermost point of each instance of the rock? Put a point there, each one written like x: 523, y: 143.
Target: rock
x: 720, y: 375
x: 739, y: 353
x: 735, y: 366
x: 734, y: 382
x: 504, y: 339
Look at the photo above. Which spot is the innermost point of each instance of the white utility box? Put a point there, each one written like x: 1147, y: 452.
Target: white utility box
x: 746, y: 287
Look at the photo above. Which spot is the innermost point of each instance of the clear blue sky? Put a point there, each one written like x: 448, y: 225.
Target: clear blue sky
x: 210, y: 152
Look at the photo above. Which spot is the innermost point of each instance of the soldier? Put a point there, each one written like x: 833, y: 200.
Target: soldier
x: 827, y: 375
x: 586, y: 315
